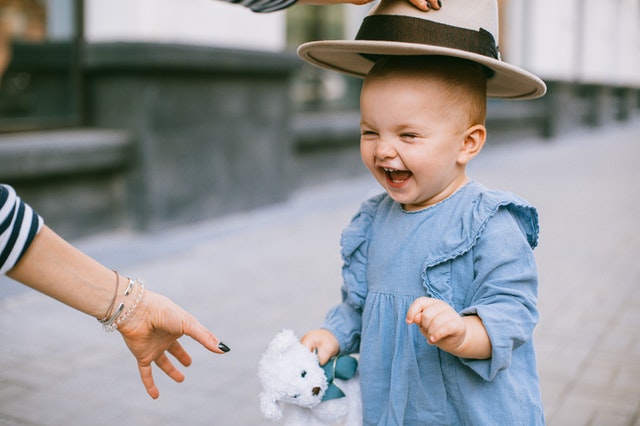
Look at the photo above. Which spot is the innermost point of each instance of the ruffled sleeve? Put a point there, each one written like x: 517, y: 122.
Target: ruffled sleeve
x: 345, y: 319
x: 506, y: 285
x: 464, y: 226
x: 488, y: 236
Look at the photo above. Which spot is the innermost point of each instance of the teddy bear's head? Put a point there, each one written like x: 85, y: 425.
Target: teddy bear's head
x: 290, y: 374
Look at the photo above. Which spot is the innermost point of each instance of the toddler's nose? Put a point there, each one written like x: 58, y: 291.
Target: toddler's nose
x: 384, y: 149
x: 315, y: 391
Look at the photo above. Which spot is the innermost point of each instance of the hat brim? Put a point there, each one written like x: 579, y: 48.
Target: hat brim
x: 346, y: 56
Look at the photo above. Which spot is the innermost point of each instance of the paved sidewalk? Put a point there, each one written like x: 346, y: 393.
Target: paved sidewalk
x: 249, y: 275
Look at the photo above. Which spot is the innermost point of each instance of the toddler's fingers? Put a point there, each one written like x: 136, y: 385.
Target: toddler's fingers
x: 434, y: 336
x: 416, y: 319
x: 308, y: 342
x: 324, y: 356
x: 416, y: 308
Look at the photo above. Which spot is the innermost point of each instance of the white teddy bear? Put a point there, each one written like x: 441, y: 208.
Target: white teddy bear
x: 297, y: 389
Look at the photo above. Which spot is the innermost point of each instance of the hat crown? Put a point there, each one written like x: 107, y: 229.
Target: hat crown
x: 469, y: 14
x: 466, y: 29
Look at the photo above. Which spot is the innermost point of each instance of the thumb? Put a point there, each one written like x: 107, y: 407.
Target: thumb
x: 315, y: 345
x: 323, y: 356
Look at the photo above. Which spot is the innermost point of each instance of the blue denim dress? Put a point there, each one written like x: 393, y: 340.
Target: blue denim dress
x: 473, y: 250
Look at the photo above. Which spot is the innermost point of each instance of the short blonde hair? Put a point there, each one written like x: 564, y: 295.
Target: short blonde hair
x: 464, y: 80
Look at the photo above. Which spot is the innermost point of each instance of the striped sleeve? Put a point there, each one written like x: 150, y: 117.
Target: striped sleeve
x: 19, y: 224
x: 264, y: 6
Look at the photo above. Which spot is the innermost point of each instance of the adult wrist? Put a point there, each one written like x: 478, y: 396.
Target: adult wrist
x: 123, y: 305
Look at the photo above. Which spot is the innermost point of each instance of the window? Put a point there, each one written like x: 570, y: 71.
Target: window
x: 315, y: 88
x: 39, y: 61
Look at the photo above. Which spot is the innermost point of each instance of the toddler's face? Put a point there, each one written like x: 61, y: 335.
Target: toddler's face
x: 411, y: 136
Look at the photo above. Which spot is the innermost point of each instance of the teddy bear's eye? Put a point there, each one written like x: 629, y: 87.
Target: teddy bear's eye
x: 303, y: 374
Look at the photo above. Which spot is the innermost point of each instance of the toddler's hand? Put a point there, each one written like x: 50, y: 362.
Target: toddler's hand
x: 439, y: 323
x: 322, y: 341
x: 443, y: 327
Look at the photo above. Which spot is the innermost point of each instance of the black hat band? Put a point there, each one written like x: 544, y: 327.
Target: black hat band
x: 408, y: 29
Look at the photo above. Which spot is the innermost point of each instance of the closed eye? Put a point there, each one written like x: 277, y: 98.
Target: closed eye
x: 409, y: 136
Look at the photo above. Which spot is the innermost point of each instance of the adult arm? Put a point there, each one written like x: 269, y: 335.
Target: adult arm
x: 264, y: 6
x: 54, y: 267
x: 420, y: 4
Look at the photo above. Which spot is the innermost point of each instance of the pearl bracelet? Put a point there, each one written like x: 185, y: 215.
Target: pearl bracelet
x: 118, y: 317
x: 139, y: 295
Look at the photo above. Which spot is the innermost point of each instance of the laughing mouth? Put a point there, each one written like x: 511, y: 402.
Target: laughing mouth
x: 397, y: 176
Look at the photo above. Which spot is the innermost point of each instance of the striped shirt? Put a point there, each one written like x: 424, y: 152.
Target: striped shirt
x: 19, y: 224
x: 264, y: 5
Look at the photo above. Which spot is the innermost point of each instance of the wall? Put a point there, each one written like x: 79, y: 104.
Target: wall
x: 212, y: 126
x: 199, y: 22
x: 587, y: 51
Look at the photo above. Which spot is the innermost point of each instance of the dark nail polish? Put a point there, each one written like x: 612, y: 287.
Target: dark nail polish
x: 439, y: 3
x: 223, y: 347
x: 428, y: 5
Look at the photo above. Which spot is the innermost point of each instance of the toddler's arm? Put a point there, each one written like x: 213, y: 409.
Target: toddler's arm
x: 462, y: 336
x: 322, y: 341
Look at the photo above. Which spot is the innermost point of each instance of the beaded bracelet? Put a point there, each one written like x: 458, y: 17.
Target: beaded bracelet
x: 134, y: 305
x: 117, y: 318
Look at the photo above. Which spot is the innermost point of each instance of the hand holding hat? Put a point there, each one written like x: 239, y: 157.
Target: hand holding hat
x: 420, y: 4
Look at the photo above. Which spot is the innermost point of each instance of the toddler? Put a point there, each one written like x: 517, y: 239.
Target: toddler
x: 440, y: 281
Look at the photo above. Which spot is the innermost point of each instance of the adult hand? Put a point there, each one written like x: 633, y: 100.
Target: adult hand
x: 426, y: 4
x: 153, y: 331
x: 420, y: 4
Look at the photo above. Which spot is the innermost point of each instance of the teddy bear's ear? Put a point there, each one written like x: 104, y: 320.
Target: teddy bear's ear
x: 269, y: 406
x: 283, y: 341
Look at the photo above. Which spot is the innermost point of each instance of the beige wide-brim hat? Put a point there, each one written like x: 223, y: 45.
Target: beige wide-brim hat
x: 465, y: 29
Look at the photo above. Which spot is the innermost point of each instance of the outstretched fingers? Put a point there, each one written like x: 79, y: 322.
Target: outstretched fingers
x: 146, y: 375
x: 198, y: 332
x: 179, y: 353
x: 165, y: 364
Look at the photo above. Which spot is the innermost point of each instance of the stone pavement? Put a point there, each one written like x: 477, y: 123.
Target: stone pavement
x: 249, y: 275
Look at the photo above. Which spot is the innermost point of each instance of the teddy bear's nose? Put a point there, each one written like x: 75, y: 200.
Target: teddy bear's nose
x: 315, y: 391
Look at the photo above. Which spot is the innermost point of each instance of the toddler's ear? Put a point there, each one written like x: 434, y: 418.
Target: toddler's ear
x: 473, y: 142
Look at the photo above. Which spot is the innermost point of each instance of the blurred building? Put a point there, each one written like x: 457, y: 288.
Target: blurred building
x: 151, y: 113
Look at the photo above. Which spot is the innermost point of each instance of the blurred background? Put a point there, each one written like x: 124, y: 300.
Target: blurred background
x: 184, y: 142
x: 145, y: 114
